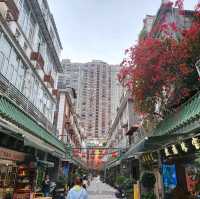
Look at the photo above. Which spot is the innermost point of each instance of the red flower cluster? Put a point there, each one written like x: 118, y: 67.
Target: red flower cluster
x: 159, y: 70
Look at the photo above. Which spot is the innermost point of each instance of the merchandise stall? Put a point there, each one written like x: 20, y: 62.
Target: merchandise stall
x: 25, y: 181
x: 8, y: 171
x: 181, y: 167
x: 193, y: 178
x: 17, y: 175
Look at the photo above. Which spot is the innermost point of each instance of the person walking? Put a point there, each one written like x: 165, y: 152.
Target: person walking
x: 77, y: 191
x: 46, y: 186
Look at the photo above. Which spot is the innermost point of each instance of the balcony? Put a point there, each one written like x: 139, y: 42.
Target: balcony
x: 36, y: 56
x: 49, y: 80
x: 12, y: 12
x: 41, y: 20
x: 14, y: 94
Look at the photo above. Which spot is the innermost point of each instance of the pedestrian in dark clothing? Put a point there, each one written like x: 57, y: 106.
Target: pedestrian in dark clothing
x: 46, y: 186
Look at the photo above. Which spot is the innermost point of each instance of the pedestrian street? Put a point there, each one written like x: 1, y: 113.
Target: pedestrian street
x: 100, y: 190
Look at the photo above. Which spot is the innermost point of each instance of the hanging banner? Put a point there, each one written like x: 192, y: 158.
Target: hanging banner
x: 66, y: 170
x: 169, y: 177
x: 8, y: 154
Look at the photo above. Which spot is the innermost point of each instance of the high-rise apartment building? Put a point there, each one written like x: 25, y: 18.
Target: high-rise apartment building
x: 96, y: 87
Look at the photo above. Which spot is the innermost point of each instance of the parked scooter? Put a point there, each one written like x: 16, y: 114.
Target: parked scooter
x: 121, y: 194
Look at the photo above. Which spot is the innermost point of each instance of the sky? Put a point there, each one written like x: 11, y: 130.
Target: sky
x: 101, y: 29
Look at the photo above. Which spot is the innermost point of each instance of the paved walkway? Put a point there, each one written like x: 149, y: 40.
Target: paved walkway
x: 100, y: 190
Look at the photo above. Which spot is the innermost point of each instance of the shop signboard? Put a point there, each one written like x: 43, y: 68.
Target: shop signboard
x: 169, y: 177
x: 66, y: 170
x: 8, y: 154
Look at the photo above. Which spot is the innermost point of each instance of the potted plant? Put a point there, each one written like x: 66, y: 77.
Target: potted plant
x: 148, y: 181
x: 148, y: 195
x: 119, y: 181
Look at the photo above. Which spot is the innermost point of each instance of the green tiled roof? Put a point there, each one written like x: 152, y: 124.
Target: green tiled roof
x: 11, y: 112
x: 186, y: 113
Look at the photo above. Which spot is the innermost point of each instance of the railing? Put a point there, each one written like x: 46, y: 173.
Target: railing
x: 13, y: 93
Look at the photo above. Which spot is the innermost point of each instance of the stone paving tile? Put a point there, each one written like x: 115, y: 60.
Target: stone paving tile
x: 100, y: 190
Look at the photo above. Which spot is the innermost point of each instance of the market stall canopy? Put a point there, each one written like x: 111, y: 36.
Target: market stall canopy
x: 153, y: 143
x: 113, y: 163
x: 12, y: 113
x: 79, y: 162
x: 184, y: 120
x: 180, y: 125
x: 46, y: 163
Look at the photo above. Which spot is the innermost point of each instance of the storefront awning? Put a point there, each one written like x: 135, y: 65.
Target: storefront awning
x: 37, y: 143
x: 184, y: 120
x: 154, y: 143
x: 113, y: 163
x: 182, y: 124
x: 80, y: 163
x: 11, y: 112
x: 46, y: 163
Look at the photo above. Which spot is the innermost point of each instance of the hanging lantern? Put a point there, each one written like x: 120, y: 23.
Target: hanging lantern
x: 75, y: 152
x: 184, y: 147
x: 105, y: 152
x: 83, y: 155
x: 97, y: 152
x: 196, y: 143
x: 174, y: 149
x: 92, y: 157
x: 114, y: 154
x: 167, y: 153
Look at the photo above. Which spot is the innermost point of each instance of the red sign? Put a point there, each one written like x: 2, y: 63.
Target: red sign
x: 8, y: 154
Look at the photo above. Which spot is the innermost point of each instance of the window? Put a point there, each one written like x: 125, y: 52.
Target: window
x: 10, y: 64
x: 40, y: 99
x: 41, y: 45
x: 45, y: 99
x: 50, y: 107
x: 24, y: 17
x: 35, y: 90
x: 13, y: 69
x: 20, y: 76
x: 5, y: 48
x: 48, y: 63
x: 31, y: 31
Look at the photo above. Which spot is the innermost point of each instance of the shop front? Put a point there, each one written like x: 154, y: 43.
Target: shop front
x: 9, y: 171
x: 175, y: 164
x: 181, y: 168
x: 149, y: 162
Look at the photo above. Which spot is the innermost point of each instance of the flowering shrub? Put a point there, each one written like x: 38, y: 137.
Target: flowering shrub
x: 160, y: 70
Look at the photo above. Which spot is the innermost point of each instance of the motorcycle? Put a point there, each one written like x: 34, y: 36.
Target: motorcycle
x: 121, y: 194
